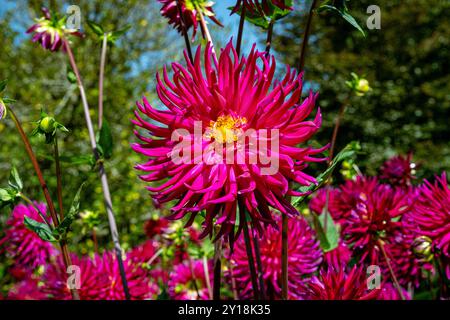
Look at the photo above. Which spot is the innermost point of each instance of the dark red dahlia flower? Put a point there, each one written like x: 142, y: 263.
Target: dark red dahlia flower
x: 372, y: 215
x: 304, y: 258
x: 399, y: 171
x: 190, y: 9
x: 431, y: 213
x: 23, y: 245
x: 50, y: 31
x: 239, y: 132
x: 334, y: 284
x: 155, y: 226
x: 189, y: 282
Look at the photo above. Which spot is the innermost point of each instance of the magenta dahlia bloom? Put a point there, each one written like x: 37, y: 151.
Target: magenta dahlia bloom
x: 339, y: 257
x: 23, y: 245
x: 28, y: 289
x: 261, y: 6
x: 100, y: 278
x: 390, y: 292
x: 334, y: 284
x: 189, y: 9
x: 229, y: 116
x: 190, y: 284
x: 50, y: 31
x: 304, y: 258
x: 431, y: 213
x: 371, y: 214
x: 399, y: 171
x: 93, y: 281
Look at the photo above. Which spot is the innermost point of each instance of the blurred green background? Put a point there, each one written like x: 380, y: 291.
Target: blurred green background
x: 406, y: 62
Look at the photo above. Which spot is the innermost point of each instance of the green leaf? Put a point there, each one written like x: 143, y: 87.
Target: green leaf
x: 5, y: 196
x: 96, y: 28
x: 3, y: 84
x: 329, y: 236
x: 348, y: 152
x: 105, y: 140
x: 14, y: 180
x: 7, y: 100
x: 114, y: 35
x: 71, y: 77
x: 343, y: 12
x: 41, y: 229
x: 64, y: 226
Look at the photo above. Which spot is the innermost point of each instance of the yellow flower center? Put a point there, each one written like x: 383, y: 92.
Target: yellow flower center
x: 225, y: 129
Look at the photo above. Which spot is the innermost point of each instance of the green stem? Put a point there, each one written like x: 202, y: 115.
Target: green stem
x: 58, y: 178
x: 269, y: 37
x: 184, y: 30
x: 101, y: 80
x: 241, y: 30
x: 102, y: 173
x: 48, y: 199
x: 393, y: 276
x: 248, y: 247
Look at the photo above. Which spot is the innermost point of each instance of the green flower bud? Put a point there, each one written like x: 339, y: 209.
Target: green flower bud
x: 362, y: 87
x: 422, y: 248
x: 47, y: 124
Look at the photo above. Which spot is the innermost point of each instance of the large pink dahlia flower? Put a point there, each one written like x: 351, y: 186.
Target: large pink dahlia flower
x: 304, y: 258
x: 224, y: 114
x: 23, y: 245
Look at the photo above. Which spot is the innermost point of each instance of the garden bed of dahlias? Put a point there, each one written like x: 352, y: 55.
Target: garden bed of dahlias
x: 245, y: 206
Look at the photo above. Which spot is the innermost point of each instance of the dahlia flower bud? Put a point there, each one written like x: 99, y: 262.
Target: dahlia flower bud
x: 50, y: 31
x: 359, y: 85
x: 47, y: 124
x: 422, y: 248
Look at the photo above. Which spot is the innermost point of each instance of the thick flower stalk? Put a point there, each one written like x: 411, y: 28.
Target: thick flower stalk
x: 50, y: 31
x: 24, y: 246
x: 304, y: 258
x: 432, y: 215
x: 190, y: 10
x: 243, y: 128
